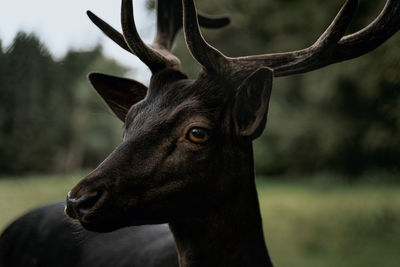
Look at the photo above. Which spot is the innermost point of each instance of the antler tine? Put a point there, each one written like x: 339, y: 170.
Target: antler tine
x: 338, y: 27
x: 321, y: 50
x: 209, y: 57
x: 112, y: 33
x: 212, y: 22
x: 372, y: 36
x: 169, y: 22
x: 332, y: 47
x: 154, y: 60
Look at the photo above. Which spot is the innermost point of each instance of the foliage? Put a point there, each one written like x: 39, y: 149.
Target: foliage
x: 46, y: 109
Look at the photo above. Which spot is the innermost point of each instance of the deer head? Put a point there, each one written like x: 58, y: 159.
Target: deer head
x: 187, y: 146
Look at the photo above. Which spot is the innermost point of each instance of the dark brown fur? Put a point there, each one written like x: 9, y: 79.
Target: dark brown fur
x: 205, y: 190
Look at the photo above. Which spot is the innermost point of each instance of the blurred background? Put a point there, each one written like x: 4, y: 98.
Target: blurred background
x: 327, y: 165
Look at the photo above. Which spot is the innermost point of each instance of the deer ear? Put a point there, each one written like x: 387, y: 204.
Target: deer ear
x: 119, y: 93
x: 251, y: 104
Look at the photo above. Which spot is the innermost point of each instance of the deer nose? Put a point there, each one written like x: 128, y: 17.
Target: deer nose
x: 78, y: 207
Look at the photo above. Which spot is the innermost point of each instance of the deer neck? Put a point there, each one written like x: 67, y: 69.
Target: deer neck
x: 231, y: 235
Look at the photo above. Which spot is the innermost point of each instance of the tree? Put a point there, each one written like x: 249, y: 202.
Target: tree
x: 42, y: 109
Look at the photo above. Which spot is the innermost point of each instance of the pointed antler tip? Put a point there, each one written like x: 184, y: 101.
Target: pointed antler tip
x: 91, y: 15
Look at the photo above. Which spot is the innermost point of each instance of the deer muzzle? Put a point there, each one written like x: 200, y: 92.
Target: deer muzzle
x: 77, y: 208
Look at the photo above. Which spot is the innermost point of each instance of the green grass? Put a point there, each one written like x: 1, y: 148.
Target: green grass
x: 18, y: 195
x: 306, y: 224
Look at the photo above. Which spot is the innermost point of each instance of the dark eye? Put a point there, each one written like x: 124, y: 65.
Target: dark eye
x: 197, y: 135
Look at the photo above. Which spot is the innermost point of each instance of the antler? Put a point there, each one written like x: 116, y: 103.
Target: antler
x: 330, y: 48
x: 169, y: 21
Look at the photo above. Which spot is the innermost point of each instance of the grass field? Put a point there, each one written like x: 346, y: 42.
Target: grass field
x: 305, y: 224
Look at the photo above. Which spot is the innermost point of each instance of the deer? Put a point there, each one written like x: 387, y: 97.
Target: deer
x: 180, y: 188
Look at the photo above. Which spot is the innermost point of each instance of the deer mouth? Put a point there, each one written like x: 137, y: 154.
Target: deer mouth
x: 90, y: 211
x: 86, y: 207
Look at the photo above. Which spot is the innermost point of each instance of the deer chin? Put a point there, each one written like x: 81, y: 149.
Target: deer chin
x: 94, y: 220
x: 101, y: 227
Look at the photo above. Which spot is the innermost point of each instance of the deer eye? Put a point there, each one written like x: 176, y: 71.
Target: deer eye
x: 197, y: 135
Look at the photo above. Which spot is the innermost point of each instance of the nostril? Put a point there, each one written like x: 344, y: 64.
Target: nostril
x: 78, y: 207
x: 87, y: 201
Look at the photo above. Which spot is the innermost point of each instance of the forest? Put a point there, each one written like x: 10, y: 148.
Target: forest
x: 341, y: 119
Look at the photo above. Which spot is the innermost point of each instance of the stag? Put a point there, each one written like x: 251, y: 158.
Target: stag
x: 186, y: 157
